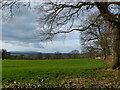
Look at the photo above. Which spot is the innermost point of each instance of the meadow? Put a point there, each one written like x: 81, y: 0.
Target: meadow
x: 53, y: 73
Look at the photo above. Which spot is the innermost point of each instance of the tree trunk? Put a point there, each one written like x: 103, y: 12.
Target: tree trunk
x: 115, y: 45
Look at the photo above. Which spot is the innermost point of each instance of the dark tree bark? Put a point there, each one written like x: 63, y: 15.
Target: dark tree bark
x: 115, y: 28
x: 3, y: 54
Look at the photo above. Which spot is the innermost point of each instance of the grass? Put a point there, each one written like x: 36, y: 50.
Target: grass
x: 54, y: 73
x: 33, y: 69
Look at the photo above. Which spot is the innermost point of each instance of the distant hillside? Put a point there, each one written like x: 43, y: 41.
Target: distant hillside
x: 28, y: 53
x: 24, y: 52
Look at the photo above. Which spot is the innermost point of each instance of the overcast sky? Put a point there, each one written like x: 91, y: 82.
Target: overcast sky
x: 19, y: 34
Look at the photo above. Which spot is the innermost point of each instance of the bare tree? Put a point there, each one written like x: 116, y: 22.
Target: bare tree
x: 5, y: 54
x: 98, y: 35
x: 74, y: 52
x: 11, y: 5
x: 90, y: 51
x: 58, y: 55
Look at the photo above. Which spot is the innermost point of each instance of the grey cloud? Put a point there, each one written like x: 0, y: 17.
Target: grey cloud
x: 20, y: 34
x: 21, y: 28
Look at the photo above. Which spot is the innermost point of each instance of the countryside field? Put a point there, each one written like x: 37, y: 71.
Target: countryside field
x: 57, y: 73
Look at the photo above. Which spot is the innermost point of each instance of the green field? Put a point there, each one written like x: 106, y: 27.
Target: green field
x: 33, y: 69
x: 49, y: 71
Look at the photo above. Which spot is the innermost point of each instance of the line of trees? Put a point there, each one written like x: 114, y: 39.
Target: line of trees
x: 57, y: 55
x: 4, y: 54
x: 97, y: 39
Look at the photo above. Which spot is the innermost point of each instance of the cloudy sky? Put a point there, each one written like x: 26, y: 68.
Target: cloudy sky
x: 20, y: 34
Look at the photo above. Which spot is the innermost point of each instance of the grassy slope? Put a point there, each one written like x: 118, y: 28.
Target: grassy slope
x: 34, y: 69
